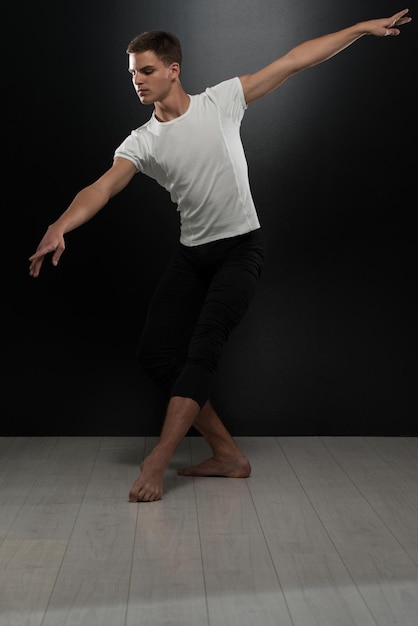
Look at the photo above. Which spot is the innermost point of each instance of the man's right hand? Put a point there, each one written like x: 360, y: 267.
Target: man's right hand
x: 50, y: 243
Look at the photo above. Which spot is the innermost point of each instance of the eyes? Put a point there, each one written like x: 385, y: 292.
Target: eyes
x: 147, y: 71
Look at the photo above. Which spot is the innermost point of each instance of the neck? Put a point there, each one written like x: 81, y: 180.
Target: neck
x: 172, y: 107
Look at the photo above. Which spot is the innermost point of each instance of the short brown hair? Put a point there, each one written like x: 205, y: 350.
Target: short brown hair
x: 165, y: 45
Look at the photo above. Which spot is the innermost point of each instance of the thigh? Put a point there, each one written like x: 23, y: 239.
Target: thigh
x: 229, y: 294
x: 174, y: 307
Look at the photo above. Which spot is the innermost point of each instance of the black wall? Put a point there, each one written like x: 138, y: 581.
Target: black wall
x: 329, y: 344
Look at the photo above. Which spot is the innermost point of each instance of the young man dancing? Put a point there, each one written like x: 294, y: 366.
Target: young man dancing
x: 191, y: 146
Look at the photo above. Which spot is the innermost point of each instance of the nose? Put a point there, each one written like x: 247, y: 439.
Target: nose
x: 137, y: 78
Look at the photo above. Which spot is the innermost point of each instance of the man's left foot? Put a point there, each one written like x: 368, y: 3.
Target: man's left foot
x: 233, y: 468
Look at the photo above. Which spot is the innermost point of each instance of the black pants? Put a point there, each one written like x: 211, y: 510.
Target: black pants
x: 202, y: 296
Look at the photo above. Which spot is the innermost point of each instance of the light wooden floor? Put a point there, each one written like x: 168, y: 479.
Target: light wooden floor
x: 324, y: 532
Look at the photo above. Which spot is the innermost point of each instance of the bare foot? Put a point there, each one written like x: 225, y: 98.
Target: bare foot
x: 148, y: 487
x: 231, y: 468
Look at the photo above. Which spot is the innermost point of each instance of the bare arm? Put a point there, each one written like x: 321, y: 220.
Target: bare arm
x: 316, y: 51
x: 86, y: 204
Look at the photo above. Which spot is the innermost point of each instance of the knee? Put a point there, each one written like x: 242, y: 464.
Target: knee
x: 150, y: 362
x: 159, y: 366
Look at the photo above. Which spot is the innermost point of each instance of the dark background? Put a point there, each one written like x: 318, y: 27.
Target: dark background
x: 329, y: 344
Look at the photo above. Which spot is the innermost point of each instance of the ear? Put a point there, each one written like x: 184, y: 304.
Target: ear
x: 174, y: 70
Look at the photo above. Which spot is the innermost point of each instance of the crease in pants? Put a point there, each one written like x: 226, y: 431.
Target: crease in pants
x: 202, y: 296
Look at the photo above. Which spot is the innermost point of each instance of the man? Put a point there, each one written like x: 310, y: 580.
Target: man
x: 192, y: 147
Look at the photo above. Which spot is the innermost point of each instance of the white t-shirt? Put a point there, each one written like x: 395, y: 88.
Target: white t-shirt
x: 199, y: 158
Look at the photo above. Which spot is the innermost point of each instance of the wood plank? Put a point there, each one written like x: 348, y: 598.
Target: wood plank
x: 26, y: 449
x: 383, y: 572
x: 28, y: 570
x: 93, y: 582
x: 241, y: 583
x: 22, y: 459
x: 73, y: 455
x: 167, y: 585
x: 322, y: 533
x: 116, y: 468
x: 400, y: 453
x: 316, y: 583
x: 388, y: 491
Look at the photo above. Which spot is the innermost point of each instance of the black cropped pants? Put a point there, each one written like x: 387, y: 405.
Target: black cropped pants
x: 201, y: 297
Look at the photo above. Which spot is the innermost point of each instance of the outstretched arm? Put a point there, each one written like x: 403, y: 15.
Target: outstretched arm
x: 85, y: 205
x: 316, y: 51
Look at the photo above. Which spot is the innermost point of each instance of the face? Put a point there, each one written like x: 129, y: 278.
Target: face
x: 150, y: 77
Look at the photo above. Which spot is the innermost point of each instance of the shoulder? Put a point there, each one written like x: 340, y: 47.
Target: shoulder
x: 228, y: 95
x: 230, y: 86
x: 137, y: 145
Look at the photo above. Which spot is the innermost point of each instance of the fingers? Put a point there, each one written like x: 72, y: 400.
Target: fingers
x: 56, y: 256
x: 389, y: 26
x: 398, y: 19
x: 35, y: 266
x: 37, y: 259
x: 391, y: 32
